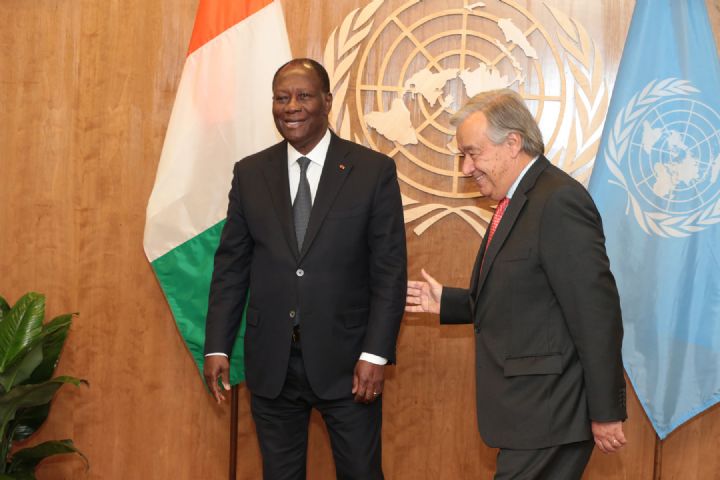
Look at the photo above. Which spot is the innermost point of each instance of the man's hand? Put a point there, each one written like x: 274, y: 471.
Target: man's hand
x: 423, y: 296
x: 217, y: 367
x: 368, y: 381
x: 609, y: 436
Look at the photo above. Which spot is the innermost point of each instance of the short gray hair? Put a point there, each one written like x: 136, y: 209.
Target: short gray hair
x: 506, y: 112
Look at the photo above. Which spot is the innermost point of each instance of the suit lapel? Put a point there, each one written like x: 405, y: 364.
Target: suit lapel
x: 338, y: 165
x: 275, y: 171
x: 509, y: 218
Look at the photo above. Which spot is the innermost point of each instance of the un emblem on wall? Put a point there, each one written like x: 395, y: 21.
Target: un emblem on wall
x: 398, y: 79
x: 664, y: 150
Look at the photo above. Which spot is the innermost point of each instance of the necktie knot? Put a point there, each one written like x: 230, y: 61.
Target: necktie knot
x: 304, y: 162
x: 501, y: 206
x: 497, y: 216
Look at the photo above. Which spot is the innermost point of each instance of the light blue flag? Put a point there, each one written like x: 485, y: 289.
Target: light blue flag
x: 656, y: 183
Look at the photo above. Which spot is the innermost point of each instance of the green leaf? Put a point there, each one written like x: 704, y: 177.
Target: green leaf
x: 22, y: 476
x: 4, y: 308
x: 27, y: 459
x: 24, y: 396
x: 29, y: 353
x: 21, y: 328
x: 28, y: 420
x: 54, y: 334
x: 22, y: 370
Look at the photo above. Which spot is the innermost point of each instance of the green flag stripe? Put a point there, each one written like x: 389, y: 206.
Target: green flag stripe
x: 184, y: 274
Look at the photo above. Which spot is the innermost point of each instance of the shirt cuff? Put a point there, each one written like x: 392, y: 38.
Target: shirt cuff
x: 216, y: 354
x: 369, y: 357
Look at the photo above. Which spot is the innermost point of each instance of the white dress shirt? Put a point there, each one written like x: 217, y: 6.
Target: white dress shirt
x: 515, y: 184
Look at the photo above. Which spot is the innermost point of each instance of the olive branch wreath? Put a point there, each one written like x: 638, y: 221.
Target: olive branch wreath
x: 591, y: 99
x: 659, y: 223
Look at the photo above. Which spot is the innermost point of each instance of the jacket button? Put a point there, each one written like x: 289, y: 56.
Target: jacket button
x: 292, y: 313
x: 299, y: 272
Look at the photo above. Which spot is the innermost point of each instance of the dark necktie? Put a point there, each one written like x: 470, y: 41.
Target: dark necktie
x: 303, y: 202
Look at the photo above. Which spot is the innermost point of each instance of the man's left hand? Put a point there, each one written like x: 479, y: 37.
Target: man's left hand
x: 368, y: 381
x: 609, y: 436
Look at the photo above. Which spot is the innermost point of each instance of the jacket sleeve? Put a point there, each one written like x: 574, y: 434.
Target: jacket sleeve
x: 572, y: 250
x: 230, y: 278
x: 388, y: 265
x: 455, y: 306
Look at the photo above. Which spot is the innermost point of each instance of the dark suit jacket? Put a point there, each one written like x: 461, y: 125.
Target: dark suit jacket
x: 347, y: 284
x: 548, y: 328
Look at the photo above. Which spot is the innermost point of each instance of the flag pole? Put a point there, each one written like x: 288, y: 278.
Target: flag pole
x: 233, y: 432
x: 657, y: 460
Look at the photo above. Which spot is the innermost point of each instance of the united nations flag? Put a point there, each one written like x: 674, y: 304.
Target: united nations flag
x: 656, y: 183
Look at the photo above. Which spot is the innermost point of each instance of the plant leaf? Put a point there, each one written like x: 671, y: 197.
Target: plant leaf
x: 54, y: 334
x: 24, y: 396
x: 19, y: 476
x: 28, y: 420
x: 25, y: 460
x: 21, y: 371
x: 21, y: 328
x: 4, y: 308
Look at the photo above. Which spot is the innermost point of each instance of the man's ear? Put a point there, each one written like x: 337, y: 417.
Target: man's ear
x: 514, y: 141
x: 328, y: 102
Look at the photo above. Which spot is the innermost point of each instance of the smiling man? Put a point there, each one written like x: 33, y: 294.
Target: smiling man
x: 315, y: 243
x: 544, y: 304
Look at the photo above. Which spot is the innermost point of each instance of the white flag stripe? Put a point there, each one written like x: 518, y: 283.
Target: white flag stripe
x: 210, y: 128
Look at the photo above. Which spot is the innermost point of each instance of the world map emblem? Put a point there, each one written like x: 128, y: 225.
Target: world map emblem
x: 664, y: 151
x: 399, y: 72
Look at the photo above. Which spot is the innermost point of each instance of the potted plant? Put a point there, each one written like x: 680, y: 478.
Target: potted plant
x: 29, y: 352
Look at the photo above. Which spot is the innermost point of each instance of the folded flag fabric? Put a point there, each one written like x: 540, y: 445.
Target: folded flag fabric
x: 222, y: 113
x: 656, y: 184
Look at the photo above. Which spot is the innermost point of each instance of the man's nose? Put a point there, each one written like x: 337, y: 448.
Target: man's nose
x: 468, y: 167
x: 293, y: 104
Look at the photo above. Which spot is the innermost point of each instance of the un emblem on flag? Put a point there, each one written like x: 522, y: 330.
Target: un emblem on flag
x: 664, y: 150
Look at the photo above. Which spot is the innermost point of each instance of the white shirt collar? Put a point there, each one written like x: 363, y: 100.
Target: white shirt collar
x: 316, y: 155
x: 514, y: 186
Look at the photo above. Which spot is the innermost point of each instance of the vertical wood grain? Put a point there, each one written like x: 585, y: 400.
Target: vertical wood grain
x: 86, y: 89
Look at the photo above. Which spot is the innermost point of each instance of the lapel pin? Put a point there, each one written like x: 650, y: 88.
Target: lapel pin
x: 342, y: 166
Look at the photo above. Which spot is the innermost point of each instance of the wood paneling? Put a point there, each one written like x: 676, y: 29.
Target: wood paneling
x: 86, y: 89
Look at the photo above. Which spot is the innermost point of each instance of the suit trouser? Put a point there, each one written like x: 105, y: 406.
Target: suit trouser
x: 282, y: 428
x: 561, y: 462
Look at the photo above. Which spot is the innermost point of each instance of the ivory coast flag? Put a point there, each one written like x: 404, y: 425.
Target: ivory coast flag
x: 222, y: 113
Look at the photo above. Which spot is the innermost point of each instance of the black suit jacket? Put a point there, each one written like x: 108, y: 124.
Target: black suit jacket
x: 347, y: 284
x: 548, y: 328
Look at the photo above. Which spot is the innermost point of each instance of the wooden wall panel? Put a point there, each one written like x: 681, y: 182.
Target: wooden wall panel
x: 691, y: 450
x: 86, y: 89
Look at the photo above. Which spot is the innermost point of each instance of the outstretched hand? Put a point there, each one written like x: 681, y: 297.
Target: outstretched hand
x: 423, y: 296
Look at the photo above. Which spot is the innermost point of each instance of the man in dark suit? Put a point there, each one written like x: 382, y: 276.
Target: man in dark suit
x: 542, y: 299
x: 315, y: 242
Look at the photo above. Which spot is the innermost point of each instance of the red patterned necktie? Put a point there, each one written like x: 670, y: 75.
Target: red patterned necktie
x: 494, y: 222
x: 497, y: 216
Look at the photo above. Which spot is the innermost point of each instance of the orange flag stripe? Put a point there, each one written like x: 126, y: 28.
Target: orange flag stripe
x: 215, y: 16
